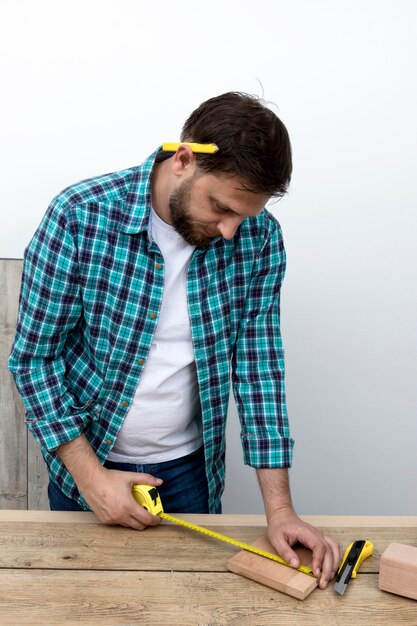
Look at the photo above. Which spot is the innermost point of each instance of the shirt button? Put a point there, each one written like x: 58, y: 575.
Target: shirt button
x: 109, y: 442
x: 158, y: 266
x: 125, y: 403
x: 141, y: 361
x: 152, y: 316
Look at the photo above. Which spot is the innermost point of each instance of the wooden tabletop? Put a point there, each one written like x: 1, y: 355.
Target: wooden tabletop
x: 68, y: 568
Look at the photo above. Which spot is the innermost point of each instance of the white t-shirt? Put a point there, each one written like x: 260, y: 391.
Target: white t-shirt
x: 164, y: 419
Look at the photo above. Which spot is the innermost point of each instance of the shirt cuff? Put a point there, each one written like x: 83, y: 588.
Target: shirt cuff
x: 50, y: 434
x: 267, y: 452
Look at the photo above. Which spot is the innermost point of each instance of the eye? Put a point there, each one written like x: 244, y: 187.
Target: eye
x: 220, y: 209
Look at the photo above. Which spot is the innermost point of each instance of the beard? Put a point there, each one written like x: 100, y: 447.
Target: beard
x: 180, y: 217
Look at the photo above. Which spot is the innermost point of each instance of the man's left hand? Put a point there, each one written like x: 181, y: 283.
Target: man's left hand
x: 285, y: 529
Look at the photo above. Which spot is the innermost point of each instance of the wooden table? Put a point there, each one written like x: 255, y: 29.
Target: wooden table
x: 59, y: 567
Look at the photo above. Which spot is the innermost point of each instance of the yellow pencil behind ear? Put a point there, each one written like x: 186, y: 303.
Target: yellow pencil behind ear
x: 203, y: 148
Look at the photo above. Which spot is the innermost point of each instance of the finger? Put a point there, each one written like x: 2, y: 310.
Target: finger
x: 139, y: 512
x: 137, y: 517
x: 143, y: 516
x: 316, y: 544
x: 285, y: 551
x: 327, y: 566
x: 132, y: 523
x: 153, y: 520
x: 318, y: 555
x: 137, y: 478
x: 337, y: 554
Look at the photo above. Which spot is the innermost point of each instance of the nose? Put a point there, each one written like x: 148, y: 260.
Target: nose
x: 229, y: 225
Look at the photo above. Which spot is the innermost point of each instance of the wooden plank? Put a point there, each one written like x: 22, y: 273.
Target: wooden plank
x: 204, y: 599
x: 23, y: 475
x: 361, y: 521
x: 37, y: 477
x: 13, y: 433
x: 398, y: 572
x: 279, y: 577
x: 97, y: 546
x: 89, y: 546
x: 63, y: 517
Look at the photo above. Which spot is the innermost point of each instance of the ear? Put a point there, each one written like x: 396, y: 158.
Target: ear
x: 183, y: 161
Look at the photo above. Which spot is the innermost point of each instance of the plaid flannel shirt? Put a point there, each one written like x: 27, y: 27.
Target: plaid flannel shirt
x: 91, y: 291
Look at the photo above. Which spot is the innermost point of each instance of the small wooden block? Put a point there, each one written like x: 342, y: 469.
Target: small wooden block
x: 398, y: 570
x: 273, y: 574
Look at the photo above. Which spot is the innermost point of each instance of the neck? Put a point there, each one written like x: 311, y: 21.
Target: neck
x: 160, y: 191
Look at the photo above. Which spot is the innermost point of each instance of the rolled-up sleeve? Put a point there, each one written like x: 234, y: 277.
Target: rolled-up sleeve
x: 258, y: 369
x: 50, y: 306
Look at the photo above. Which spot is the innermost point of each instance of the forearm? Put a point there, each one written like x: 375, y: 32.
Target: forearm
x: 275, y: 489
x: 107, y: 492
x: 81, y: 461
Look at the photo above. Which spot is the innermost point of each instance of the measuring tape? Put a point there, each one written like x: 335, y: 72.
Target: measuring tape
x: 148, y: 497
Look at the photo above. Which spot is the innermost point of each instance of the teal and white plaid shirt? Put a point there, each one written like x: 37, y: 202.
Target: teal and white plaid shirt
x: 90, y: 298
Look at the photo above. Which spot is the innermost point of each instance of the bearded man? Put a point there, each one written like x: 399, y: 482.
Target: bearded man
x: 144, y: 292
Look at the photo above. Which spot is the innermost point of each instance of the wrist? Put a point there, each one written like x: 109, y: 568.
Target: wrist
x: 89, y: 479
x: 282, y: 509
x: 82, y: 462
x: 276, y: 493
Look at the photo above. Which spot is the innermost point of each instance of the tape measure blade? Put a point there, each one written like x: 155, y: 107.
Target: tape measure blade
x: 234, y: 542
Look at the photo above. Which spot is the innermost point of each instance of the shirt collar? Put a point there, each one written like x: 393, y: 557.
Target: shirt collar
x: 138, y: 202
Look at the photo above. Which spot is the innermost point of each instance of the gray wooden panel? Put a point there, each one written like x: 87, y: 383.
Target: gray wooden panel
x: 37, y: 477
x: 13, y: 433
x: 23, y: 475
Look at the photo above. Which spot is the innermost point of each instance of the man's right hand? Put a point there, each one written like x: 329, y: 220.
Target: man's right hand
x: 107, y: 492
x: 111, y: 499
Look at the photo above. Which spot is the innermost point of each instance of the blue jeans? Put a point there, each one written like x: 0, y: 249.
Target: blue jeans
x: 184, y: 489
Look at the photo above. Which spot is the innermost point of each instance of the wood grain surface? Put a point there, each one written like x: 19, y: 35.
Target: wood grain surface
x: 200, y: 599
x: 96, y: 546
x: 13, y: 434
x: 79, y: 571
x: 225, y: 519
x: 23, y: 475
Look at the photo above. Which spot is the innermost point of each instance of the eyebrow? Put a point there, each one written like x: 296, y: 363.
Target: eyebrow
x: 224, y: 208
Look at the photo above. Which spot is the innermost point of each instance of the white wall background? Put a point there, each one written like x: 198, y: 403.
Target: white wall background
x: 92, y: 86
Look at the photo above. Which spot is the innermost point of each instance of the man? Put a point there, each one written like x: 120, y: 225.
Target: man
x: 141, y: 291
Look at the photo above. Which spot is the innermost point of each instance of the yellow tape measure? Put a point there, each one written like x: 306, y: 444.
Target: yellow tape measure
x: 148, y: 497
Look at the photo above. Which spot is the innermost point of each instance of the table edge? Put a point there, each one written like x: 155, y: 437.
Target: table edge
x: 226, y: 519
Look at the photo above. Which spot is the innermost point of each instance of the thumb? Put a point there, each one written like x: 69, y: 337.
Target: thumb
x: 143, y: 479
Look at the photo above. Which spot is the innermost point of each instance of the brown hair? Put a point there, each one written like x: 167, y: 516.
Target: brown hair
x: 253, y: 142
